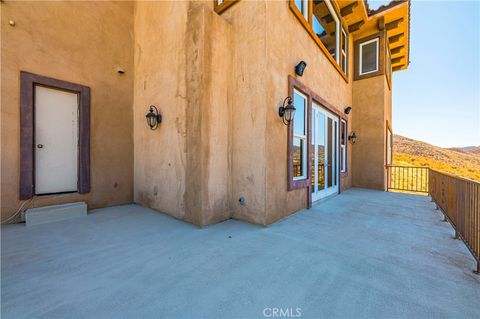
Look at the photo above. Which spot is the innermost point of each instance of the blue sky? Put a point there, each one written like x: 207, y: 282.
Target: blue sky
x: 437, y: 99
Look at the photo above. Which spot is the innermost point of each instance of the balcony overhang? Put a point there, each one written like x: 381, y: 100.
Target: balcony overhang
x: 394, y: 18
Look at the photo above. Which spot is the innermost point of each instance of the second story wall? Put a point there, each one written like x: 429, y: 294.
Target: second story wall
x: 249, y: 102
x: 183, y: 62
x: 288, y: 43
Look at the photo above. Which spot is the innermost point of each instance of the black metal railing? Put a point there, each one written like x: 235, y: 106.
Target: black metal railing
x: 407, y: 178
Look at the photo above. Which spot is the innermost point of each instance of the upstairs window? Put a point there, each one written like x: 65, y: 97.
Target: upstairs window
x: 302, y: 6
x: 221, y: 5
x: 323, y: 23
x: 299, y: 136
x: 326, y: 26
x: 343, y: 146
x: 369, y: 56
x: 344, y: 46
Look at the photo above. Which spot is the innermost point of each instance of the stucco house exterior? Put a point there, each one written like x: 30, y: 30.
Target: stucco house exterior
x: 78, y: 80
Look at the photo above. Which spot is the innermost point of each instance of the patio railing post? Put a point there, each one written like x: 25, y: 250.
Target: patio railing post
x: 458, y: 199
x: 457, y: 235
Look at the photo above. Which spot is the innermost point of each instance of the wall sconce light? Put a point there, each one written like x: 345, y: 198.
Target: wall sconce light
x: 347, y: 110
x: 300, y: 67
x: 153, y: 117
x: 352, y: 137
x: 287, y: 111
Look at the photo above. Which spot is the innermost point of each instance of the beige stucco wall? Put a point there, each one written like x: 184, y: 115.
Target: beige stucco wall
x: 239, y: 123
x: 217, y: 80
x: 81, y: 42
x: 287, y: 44
x: 249, y: 100
x: 263, y: 58
x: 182, y: 62
x: 160, y: 155
x: 369, y: 103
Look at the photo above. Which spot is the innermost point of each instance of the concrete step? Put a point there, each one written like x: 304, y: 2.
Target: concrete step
x: 48, y: 214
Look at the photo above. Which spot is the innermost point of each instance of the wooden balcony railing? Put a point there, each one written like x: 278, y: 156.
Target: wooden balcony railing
x: 407, y: 178
x: 459, y: 200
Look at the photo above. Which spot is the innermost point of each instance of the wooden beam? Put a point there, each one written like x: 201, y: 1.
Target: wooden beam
x: 396, y: 49
x: 354, y: 27
x: 396, y: 60
x: 398, y: 68
x: 381, y: 23
x: 395, y: 38
x: 328, y: 18
x: 345, y: 11
x: 393, y: 24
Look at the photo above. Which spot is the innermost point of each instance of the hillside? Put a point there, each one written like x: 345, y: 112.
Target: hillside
x: 468, y: 149
x: 458, y: 161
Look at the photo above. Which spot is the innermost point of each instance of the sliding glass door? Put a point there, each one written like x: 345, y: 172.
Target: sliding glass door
x: 325, y: 153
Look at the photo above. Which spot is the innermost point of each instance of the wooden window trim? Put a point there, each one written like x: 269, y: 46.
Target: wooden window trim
x: 219, y: 8
x: 343, y: 31
x: 28, y: 81
x: 294, y: 84
x: 308, y: 26
x: 381, y: 56
x: 312, y: 97
x: 387, y: 131
x: 301, y: 137
x: 344, y: 173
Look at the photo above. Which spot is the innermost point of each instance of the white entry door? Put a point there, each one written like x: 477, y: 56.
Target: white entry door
x: 56, y: 141
x: 325, y: 153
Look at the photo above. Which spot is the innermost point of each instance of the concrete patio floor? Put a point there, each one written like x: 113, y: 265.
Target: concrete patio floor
x: 362, y: 254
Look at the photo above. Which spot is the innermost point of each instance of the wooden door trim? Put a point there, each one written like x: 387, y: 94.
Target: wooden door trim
x: 27, y: 130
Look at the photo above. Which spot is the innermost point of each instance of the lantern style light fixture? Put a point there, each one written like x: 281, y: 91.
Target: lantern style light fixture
x: 287, y: 111
x: 347, y: 110
x: 153, y: 117
x: 352, y: 137
x: 300, y: 67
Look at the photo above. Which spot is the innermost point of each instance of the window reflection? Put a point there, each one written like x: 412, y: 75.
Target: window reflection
x: 325, y: 25
x: 298, y: 146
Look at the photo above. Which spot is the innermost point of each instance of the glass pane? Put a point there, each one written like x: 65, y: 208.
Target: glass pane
x: 312, y: 159
x: 335, y: 150
x: 302, y: 7
x: 313, y: 171
x: 344, y: 42
x: 344, y: 51
x: 298, y: 157
x: 321, y: 152
x: 329, y: 153
x: 299, y: 119
x: 343, y: 146
x: 369, y: 57
x: 324, y: 24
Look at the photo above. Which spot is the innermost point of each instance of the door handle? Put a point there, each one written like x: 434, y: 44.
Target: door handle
x: 39, y: 145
